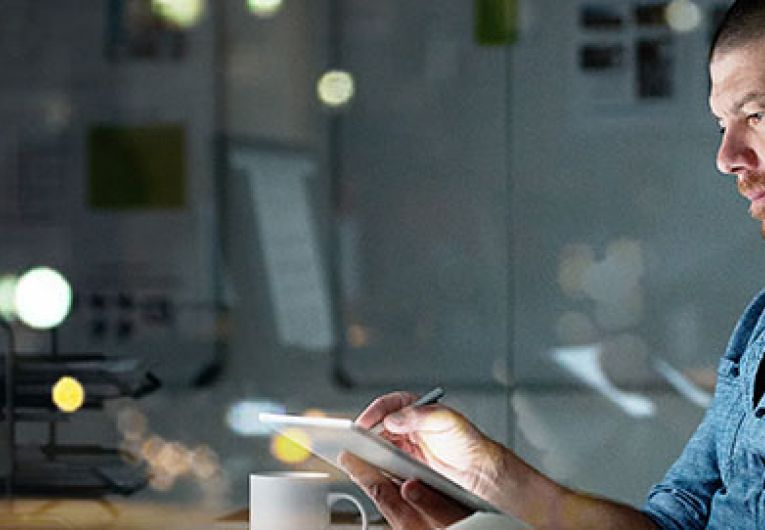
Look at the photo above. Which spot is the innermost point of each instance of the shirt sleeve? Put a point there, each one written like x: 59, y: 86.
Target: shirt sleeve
x: 681, y: 501
x: 683, y: 498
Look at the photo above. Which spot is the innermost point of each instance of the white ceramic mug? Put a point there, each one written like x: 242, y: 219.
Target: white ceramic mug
x: 294, y: 500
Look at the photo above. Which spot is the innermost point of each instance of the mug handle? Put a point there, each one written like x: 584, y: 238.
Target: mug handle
x: 332, y: 498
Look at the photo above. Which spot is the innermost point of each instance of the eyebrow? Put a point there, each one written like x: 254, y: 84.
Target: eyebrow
x: 748, y: 98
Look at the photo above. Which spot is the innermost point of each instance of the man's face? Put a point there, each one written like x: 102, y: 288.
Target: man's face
x: 737, y: 101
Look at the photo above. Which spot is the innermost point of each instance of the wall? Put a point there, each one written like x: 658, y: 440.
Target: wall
x: 494, y: 197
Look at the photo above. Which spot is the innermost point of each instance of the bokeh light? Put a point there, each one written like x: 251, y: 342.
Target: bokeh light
x: 68, y: 394
x: 576, y: 259
x: 264, y: 8
x: 168, y: 462
x: 7, y: 293
x: 357, y: 336
x: 161, y: 481
x: 575, y: 327
x: 43, y: 298
x: 284, y: 449
x: 57, y: 112
x: 683, y: 15
x: 151, y: 447
x: 335, y: 88
x: 613, y: 283
x: 242, y: 416
x: 204, y: 463
x: 173, y: 459
x: 182, y: 13
x: 131, y: 423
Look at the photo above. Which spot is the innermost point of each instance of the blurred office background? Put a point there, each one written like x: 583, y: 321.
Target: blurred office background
x: 298, y: 205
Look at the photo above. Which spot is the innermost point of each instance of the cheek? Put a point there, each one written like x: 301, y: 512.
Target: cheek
x: 759, y: 149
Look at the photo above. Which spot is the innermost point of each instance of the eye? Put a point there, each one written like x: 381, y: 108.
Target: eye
x: 755, y: 118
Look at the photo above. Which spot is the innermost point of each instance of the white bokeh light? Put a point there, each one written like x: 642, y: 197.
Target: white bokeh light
x: 335, y: 88
x: 43, y: 298
x: 683, y: 15
x: 264, y: 8
x: 242, y: 416
x: 183, y: 13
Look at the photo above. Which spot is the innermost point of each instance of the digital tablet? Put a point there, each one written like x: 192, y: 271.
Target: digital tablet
x: 331, y: 436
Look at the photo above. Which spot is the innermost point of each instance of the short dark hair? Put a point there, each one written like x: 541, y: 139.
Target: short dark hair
x: 743, y: 23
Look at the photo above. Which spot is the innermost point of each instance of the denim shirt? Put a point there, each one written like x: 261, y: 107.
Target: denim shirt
x: 719, y: 480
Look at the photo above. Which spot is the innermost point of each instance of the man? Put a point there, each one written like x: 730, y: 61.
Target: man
x: 719, y: 480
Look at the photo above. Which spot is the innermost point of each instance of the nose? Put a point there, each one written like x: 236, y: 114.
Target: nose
x: 736, y: 156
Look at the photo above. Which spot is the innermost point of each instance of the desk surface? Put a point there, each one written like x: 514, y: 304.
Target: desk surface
x: 99, y: 514
x: 96, y: 514
x: 239, y: 520
x: 89, y: 514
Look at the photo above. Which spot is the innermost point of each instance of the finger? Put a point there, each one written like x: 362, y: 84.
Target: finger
x: 429, y: 418
x: 386, y: 496
x: 441, y: 510
x: 382, y: 406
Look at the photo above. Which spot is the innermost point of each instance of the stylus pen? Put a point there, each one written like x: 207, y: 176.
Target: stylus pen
x: 428, y: 398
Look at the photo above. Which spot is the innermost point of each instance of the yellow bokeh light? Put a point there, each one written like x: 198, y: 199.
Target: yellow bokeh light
x: 68, y: 394
x: 264, y: 8
x: 289, y: 452
x: 335, y: 88
x: 315, y: 413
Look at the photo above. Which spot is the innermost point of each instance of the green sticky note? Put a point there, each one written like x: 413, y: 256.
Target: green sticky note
x: 142, y: 167
x: 496, y: 22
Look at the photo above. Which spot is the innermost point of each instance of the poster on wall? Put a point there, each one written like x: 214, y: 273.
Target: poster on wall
x: 137, y: 167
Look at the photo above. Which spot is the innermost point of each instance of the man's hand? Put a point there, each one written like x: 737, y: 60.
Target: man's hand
x: 446, y: 441
x: 410, y: 506
x: 435, y: 435
x: 440, y: 437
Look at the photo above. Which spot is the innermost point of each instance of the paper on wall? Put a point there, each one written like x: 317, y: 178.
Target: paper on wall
x: 296, y: 277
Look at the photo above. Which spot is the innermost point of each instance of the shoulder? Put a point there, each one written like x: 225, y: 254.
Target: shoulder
x: 749, y: 327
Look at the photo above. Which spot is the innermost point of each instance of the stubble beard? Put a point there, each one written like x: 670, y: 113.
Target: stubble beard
x: 754, y: 182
